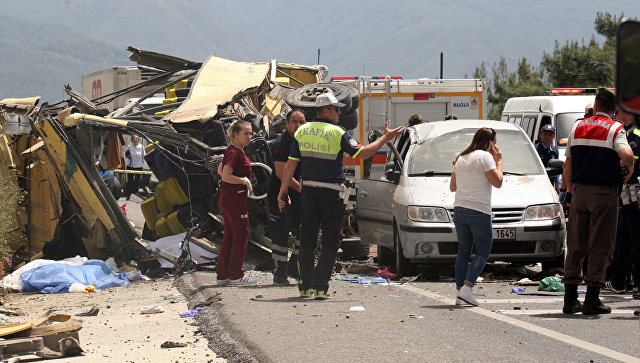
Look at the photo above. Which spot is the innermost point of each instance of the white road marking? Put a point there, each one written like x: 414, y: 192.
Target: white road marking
x: 554, y: 300
x: 528, y: 326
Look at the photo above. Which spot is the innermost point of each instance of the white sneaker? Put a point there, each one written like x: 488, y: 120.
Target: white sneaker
x: 243, y: 281
x: 466, y: 294
x: 459, y: 302
x: 224, y: 282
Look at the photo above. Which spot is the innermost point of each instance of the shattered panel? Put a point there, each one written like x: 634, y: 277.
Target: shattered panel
x: 216, y: 84
x: 46, y: 201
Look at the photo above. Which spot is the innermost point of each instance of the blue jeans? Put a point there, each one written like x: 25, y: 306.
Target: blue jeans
x: 474, y: 230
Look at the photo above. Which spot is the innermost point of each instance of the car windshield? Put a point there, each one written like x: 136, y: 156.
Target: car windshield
x: 435, y: 155
x: 564, y: 122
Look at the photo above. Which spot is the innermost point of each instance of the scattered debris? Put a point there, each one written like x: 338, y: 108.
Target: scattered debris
x: 172, y: 344
x: 10, y: 312
x: 91, y: 312
x: 356, y: 308
x: 414, y: 316
x: 386, y: 274
x: 517, y: 290
x: 152, y: 309
x: 551, y: 283
x: 191, y: 313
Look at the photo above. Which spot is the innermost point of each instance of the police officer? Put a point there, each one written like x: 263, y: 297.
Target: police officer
x: 319, y: 145
x: 627, y: 250
x: 547, y: 151
x: 281, y: 223
x: 596, y: 151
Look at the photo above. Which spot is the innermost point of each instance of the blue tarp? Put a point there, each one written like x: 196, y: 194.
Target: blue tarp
x: 57, y: 277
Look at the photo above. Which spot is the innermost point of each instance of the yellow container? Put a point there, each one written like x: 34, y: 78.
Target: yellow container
x: 150, y: 212
x: 169, y: 194
x: 169, y: 225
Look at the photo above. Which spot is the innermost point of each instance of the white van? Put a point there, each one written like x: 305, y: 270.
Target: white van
x: 561, y: 111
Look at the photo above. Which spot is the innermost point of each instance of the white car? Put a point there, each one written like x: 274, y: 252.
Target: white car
x: 408, y: 213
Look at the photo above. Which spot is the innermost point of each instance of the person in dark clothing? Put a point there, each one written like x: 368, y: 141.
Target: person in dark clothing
x: 547, y: 151
x: 627, y: 251
x: 320, y: 146
x: 280, y: 223
x: 596, y: 149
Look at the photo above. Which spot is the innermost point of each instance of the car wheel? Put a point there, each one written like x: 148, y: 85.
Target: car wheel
x: 349, y: 120
x: 385, y: 256
x: 404, y: 267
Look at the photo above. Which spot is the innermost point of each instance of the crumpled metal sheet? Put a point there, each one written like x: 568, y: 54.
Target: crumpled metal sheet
x: 216, y: 84
x: 159, y: 60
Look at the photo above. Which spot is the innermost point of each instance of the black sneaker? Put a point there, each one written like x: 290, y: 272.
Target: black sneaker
x: 595, y: 309
x: 636, y: 293
x: 281, y: 281
x: 321, y: 294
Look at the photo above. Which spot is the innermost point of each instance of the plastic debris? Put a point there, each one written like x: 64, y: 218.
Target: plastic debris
x: 517, y: 289
x: 415, y: 316
x: 152, y: 309
x: 551, y: 283
x: 191, y: 313
x: 386, y: 274
x: 582, y: 291
x: 377, y: 280
x: 356, y: 308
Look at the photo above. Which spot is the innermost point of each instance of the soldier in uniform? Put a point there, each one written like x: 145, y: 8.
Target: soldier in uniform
x: 547, y: 150
x: 596, y: 151
x: 319, y: 145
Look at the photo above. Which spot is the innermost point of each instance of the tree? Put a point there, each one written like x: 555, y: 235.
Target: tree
x: 525, y: 81
x: 585, y: 64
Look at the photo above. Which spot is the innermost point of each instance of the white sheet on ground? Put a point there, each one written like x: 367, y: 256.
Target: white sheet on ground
x: 171, y: 244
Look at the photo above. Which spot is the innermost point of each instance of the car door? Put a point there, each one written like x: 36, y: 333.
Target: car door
x: 374, y: 200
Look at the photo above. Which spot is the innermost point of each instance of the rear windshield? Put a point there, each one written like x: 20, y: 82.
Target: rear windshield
x: 435, y: 155
x: 564, y: 122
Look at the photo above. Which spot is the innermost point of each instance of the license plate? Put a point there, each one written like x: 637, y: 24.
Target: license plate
x: 504, y: 233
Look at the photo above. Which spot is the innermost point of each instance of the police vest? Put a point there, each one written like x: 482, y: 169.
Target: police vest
x: 594, y: 161
x: 321, y: 145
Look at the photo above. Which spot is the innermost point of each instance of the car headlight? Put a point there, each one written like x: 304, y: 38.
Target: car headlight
x: 428, y: 214
x: 541, y: 212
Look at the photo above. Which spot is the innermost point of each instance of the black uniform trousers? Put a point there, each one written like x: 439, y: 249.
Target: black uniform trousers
x: 627, y: 251
x: 280, y: 223
x: 322, y: 208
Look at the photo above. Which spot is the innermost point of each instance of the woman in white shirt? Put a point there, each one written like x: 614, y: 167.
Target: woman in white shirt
x: 135, y: 154
x: 475, y: 170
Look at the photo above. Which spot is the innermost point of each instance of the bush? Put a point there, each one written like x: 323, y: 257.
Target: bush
x: 11, y: 236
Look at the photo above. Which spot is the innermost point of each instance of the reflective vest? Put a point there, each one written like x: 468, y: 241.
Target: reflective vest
x: 594, y: 161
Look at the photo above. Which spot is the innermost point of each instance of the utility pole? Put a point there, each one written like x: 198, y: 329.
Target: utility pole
x: 441, y: 63
x: 318, y: 56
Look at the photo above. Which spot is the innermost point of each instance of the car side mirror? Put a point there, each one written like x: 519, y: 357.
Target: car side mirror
x: 554, y: 167
x: 391, y: 173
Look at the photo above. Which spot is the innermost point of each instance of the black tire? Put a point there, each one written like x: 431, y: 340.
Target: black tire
x: 404, y: 267
x: 556, y: 263
x: 355, y: 98
x: 305, y: 96
x: 349, y: 120
x: 386, y: 256
x: 354, y: 250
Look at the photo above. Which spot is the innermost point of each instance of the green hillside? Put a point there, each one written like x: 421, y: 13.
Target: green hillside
x: 372, y: 36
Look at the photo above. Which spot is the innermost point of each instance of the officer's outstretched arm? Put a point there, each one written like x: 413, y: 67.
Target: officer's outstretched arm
x: 373, y: 147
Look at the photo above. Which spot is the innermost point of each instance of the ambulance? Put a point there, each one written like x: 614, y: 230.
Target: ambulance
x: 393, y: 99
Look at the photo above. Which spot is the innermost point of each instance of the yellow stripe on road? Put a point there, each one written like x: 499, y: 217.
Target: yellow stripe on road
x: 579, y: 343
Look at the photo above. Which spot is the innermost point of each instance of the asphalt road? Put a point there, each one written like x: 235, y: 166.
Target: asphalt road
x: 415, y: 321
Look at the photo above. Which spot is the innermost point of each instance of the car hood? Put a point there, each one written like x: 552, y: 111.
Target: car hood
x: 516, y: 191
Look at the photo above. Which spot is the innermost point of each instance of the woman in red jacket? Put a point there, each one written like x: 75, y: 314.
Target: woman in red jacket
x: 235, y: 171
